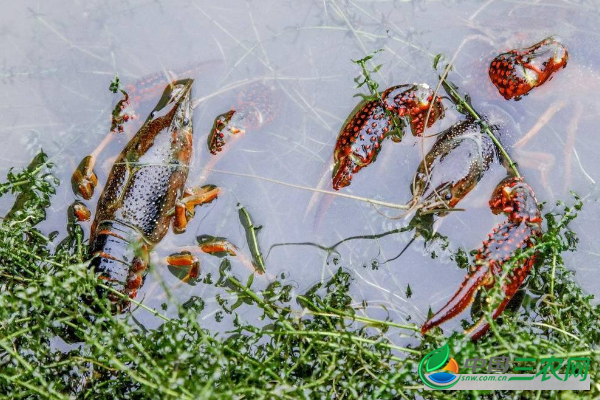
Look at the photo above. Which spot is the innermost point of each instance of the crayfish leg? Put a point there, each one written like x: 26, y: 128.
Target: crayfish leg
x: 84, y: 179
x: 181, y: 218
x: 185, y: 207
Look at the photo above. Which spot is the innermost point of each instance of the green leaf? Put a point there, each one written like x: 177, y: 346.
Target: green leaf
x: 436, y: 60
x: 365, y: 97
x: 468, y: 99
x: 224, y: 269
x: 438, y: 358
x: 115, y: 84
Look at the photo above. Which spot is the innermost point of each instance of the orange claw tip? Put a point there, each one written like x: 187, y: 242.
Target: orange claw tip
x: 184, y: 266
x: 180, y: 221
x: 217, y: 248
x: 338, y: 180
x: 209, y: 193
x: 198, y: 196
x: 536, y: 220
x: 342, y: 172
x: 194, y: 272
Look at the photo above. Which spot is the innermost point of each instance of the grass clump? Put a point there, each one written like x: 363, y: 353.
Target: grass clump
x: 59, y: 340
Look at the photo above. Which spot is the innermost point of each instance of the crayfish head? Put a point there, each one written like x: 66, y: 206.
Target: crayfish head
x: 175, y: 105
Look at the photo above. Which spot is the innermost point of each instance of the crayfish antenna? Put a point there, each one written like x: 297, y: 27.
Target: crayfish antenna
x: 413, y: 206
x: 402, y: 251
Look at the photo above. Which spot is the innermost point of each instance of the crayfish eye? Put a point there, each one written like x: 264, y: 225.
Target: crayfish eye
x: 448, y: 196
x: 153, y: 114
x: 186, y: 122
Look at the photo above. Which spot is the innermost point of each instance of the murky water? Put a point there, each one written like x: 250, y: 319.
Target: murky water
x: 57, y: 62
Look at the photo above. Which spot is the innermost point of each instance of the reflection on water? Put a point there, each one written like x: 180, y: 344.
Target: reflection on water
x: 59, y: 60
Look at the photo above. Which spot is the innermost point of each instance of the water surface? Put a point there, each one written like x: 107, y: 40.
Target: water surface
x: 58, y: 59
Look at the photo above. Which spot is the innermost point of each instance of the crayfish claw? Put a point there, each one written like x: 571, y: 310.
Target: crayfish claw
x: 461, y: 299
x: 84, y: 179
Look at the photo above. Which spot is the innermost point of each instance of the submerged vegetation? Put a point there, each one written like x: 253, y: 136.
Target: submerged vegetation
x: 59, y: 338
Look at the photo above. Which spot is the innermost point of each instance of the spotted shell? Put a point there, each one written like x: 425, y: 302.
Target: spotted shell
x: 516, y: 72
x: 359, y: 140
x: 371, y: 121
x: 413, y: 102
x: 452, y: 168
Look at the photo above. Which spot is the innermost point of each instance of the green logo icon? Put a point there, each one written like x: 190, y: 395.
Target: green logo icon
x: 441, y: 366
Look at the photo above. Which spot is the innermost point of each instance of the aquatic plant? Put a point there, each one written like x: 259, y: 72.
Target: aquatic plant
x: 59, y: 339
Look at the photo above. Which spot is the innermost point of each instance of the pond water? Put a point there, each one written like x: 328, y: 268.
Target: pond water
x: 58, y: 60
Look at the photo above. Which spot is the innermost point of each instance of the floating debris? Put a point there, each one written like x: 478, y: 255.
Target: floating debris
x: 216, y: 246
x: 257, y: 258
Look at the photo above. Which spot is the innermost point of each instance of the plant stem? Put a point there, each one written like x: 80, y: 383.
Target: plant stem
x: 348, y: 196
x: 345, y: 335
x: 260, y: 302
x: 553, y: 274
x: 137, y: 303
x: 484, y: 126
x: 338, y: 313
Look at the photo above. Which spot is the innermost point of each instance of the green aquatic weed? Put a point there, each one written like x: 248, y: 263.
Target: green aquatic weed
x: 59, y: 339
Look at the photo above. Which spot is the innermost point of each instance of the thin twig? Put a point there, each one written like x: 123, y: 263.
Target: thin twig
x: 310, y: 189
x: 486, y: 129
